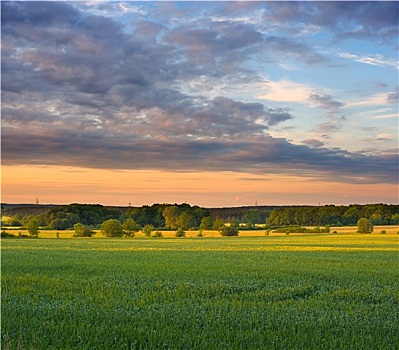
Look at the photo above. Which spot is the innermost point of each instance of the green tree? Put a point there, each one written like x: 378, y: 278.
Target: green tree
x: 112, y: 228
x: 82, y: 230
x: 186, y: 220
x: 364, y: 226
x: 206, y: 223
x: 251, y: 217
x: 147, y: 229
x: 131, y: 227
x: 395, y: 219
x: 171, y: 215
x: 218, y: 223
x: 33, y: 228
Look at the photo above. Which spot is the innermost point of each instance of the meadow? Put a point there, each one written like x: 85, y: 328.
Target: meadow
x: 327, y: 291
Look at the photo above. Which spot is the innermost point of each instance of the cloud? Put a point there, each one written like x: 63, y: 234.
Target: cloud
x: 313, y: 143
x: 378, y: 99
x: 326, y: 101
x: 374, y: 60
x: 393, y: 97
x: 258, y: 154
x: 343, y: 19
x: 299, y: 50
x: 285, y: 91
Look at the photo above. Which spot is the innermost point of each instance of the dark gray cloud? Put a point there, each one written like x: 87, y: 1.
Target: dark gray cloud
x: 258, y: 155
x: 326, y: 101
x: 82, y: 90
x: 344, y: 19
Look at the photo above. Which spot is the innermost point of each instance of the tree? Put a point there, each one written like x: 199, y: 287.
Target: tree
x: 251, y: 217
x: 206, y: 223
x: 112, y: 228
x: 82, y: 230
x: 33, y: 228
x: 364, y: 226
x: 395, y: 219
x: 186, y: 220
x: 218, y: 223
x: 147, y: 229
x: 171, y: 215
x: 131, y: 227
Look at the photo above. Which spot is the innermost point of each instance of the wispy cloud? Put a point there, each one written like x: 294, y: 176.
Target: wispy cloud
x: 374, y: 60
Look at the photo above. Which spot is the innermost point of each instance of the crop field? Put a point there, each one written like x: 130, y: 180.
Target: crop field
x: 329, y: 291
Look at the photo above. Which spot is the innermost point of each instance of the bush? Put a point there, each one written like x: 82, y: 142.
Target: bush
x: 147, y: 229
x: 364, y: 226
x: 131, y: 227
x: 180, y: 233
x: 81, y: 231
x: 383, y: 232
x: 5, y: 234
x: 157, y: 234
x: 112, y: 228
x: 228, y: 231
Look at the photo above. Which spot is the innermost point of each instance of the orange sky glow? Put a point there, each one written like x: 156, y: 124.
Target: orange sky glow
x: 65, y: 185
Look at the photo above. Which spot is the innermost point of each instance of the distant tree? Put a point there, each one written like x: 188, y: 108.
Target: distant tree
x: 112, y: 228
x: 33, y: 228
x: 235, y: 223
x: 82, y: 230
x: 147, y: 229
x: 364, y: 226
x: 218, y: 223
x: 206, y: 223
x: 171, y: 215
x: 186, y: 220
x: 395, y: 219
x: 131, y: 227
x: 251, y: 217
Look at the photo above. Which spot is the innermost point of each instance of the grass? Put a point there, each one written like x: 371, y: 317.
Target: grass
x: 275, y: 292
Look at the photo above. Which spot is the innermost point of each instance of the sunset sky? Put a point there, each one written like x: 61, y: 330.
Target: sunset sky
x: 209, y: 103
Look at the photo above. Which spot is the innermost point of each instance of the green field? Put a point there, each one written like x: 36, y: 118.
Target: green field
x: 275, y: 292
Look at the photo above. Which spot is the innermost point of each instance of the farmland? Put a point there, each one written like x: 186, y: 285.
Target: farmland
x: 278, y: 292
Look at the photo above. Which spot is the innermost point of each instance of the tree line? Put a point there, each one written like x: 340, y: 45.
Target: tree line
x: 378, y: 214
x: 185, y: 216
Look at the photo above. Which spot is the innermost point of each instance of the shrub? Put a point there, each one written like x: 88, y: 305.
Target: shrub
x: 81, y: 231
x: 147, y: 229
x: 131, y: 227
x: 112, y: 228
x: 180, y: 233
x: 5, y: 234
x: 228, y: 231
x: 383, y: 232
x: 157, y: 234
x: 364, y: 226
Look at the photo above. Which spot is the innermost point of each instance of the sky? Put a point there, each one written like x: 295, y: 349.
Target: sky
x: 210, y: 103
